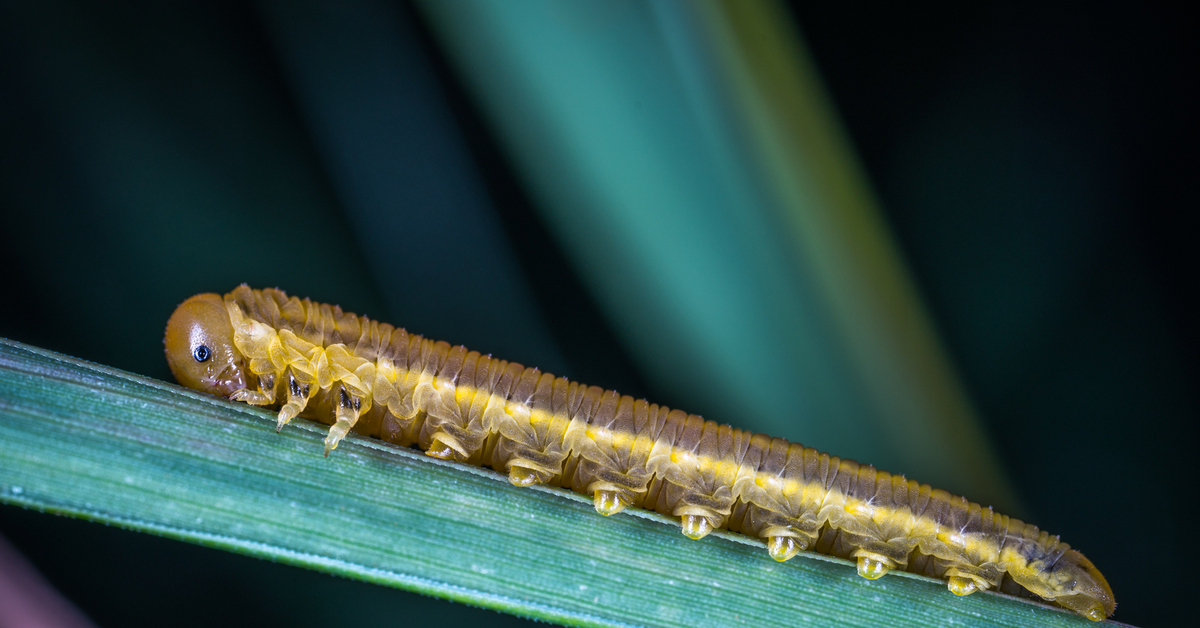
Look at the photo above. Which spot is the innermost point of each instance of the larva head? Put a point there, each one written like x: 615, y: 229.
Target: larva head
x: 1087, y: 591
x: 199, y: 345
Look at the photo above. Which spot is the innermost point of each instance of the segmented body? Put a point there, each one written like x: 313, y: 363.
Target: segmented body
x: 315, y: 360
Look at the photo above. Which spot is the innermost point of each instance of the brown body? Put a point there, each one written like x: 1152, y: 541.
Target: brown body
x: 316, y: 361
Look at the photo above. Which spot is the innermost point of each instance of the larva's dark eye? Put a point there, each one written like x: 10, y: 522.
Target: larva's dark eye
x: 202, y: 353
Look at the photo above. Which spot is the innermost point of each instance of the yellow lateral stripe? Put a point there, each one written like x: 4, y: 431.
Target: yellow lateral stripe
x: 976, y: 544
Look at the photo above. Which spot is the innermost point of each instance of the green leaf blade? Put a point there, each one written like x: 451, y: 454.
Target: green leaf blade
x: 88, y: 441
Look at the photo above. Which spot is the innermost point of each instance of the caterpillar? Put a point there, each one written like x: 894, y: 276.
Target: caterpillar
x: 314, y: 360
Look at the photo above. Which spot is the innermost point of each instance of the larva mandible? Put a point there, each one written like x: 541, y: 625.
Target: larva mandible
x: 314, y: 360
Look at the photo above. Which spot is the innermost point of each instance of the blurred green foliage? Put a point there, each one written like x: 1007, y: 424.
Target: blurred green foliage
x: 151, y: 152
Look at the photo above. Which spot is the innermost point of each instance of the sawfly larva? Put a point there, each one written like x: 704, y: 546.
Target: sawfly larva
x: 314, y: 360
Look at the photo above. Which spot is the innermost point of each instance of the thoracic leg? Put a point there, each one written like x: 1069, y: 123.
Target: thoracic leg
x: 349, y: 408
x: 297, y: 398
x: 264, y: 396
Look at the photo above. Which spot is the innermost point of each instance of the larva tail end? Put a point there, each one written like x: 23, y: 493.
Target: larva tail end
x: 1091, y: 596
x: 1084, y: 605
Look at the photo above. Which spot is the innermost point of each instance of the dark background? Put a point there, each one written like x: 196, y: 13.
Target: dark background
x: 1035, y: 162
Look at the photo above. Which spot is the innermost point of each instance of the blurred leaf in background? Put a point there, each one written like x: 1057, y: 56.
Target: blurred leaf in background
x: 687, y: 156
x: 595, y: 188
